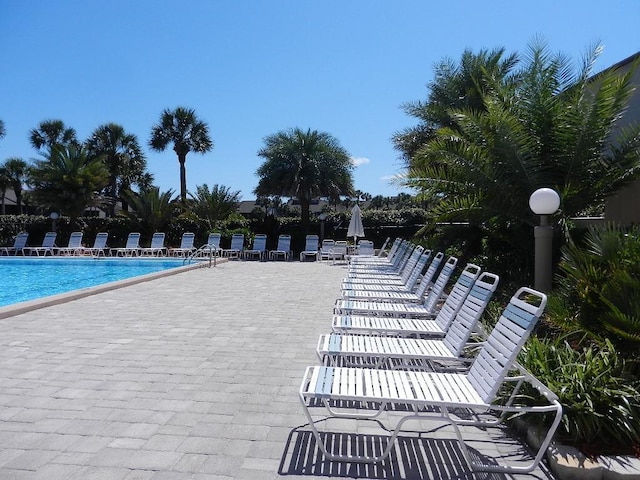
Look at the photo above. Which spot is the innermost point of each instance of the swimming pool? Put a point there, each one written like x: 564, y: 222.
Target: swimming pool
x: 24, y: 279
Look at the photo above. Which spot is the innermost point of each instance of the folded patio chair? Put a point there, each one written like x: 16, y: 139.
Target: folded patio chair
x: 419, y: 320
x: 48, y: 244
x: 74, y: 246
x: 156, y: 248
x: 310, y: 248
x: 259, y: 248
x: 325, y: 249
x: 283, y: 249
x: 99, y: 245
x: 390, y: 295
x: 406, y: 282
x: 339, y: 251
x: 439, y: 395
x: 377, y: 350
x: 236, y: 248
x: 19, y: 243
x: 186, y: 247
x: 131, y: 248
x: 365, y: 249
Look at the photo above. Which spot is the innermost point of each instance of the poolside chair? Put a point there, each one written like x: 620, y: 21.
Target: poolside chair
x: 259, y: 248
x: 283, y: 249
x: 391, y: 265
x: 157, y: 248
x: 386, y: 294
x: 19, y: 243
x: 365, y: 248
x: 376, y: 349
x: 325, y: 249
x: 310, y: 248
x: 48, y: 244
x: 186, y: 246
x: 420, y: 323
x: 74, y: 246
x: 212, y: 247
x: 131, y: 248
x: 339, y: 251
x: 99, y: 245
x: 440, y: 396
x: 236, y: 248
x: 406, y: 281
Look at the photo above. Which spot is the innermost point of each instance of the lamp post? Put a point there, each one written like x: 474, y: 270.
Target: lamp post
x: 54, y: 218
x: 322, y: 217
x: 543, y: 202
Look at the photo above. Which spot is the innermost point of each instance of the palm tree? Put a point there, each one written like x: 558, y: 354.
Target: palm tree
x: 3, y: 132
x: 304, y: 165
x: 68, y: 180
x: 123, y: 157
x: 153, y: 208
x: 214, y: 205
x: 51, y: 133
x: 16, y: 171
x: 187, y: 133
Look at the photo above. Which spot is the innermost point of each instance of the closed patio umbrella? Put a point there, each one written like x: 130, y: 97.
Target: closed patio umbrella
x: 355, y: 229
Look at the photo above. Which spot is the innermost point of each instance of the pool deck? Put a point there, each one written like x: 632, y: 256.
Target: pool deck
x: 193, y: 376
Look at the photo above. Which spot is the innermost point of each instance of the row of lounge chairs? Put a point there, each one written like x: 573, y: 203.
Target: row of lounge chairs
x: 400, y: 343
x: 329, y: 250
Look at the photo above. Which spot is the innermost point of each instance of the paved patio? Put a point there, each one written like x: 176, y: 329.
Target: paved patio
x: 192, y: 376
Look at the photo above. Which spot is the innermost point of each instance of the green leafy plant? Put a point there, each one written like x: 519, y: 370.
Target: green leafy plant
x: 600, y: 399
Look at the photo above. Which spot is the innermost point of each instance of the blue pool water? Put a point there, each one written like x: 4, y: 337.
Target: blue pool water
x: 29, y: 279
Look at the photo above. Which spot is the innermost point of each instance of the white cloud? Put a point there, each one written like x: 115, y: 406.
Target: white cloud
x: 357, y: 161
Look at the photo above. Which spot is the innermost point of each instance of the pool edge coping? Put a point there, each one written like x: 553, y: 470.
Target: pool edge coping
x: 51, y: 300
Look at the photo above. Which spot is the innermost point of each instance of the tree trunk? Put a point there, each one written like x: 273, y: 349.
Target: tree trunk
x: 182, y: 158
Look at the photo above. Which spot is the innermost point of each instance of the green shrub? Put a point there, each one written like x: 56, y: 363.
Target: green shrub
x: 601, y: 401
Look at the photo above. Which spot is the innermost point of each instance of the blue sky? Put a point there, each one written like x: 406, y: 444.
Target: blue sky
x: 251, y: 68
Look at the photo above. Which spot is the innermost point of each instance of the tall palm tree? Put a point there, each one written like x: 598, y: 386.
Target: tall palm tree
x: 304, y: 165
x: 215, y: 204
x: 16, y: 170
x: 123, y: 157
x: 68, y: 180
x: 3, y: 132
x: 187, y: 133
x: 51, y: 133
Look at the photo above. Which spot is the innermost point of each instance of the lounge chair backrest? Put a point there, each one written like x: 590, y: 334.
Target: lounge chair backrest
x: 100, y: 241
x: 49, y: 240
x: 425, y: 283
x: 384, y: 245
x: 341, y: 247
x: 435, y: 294
x: 20, y: 241
x: 187, y: 240
x: 284, y: 243
x: 365, y: 247
x: 214, y: 240
x: 501, y: 348
x: 394, y: 247
x: 457, y: 296
x: 75, y: 240
x: 260, y: 242
x: 409, y: 266
x: 411, y: 279
x: 157, y: 241
x: 133, y: 240
x: 311, y: 243
x: 237, y: 241
x: 470, y: 312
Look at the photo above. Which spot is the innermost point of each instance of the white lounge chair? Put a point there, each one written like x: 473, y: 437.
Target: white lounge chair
x: 74, y: 246
x: 131, y: 248
x: 311, y: 249
x: 376, y: 350
x: 365, y: 249
x: 339, y: 251
x: 416, y: 320
x: 19, y: 243
x: 325, y: 249
x: 47, y: 247
x: 186, y: 247
x: 406, y: 282
x: 439, y: 395
x: 212, y: 247
x: 236, y: 248
x: 99, y: 245
x: 283, y: 249
x: 156, y: 248
x: 259, y: 248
